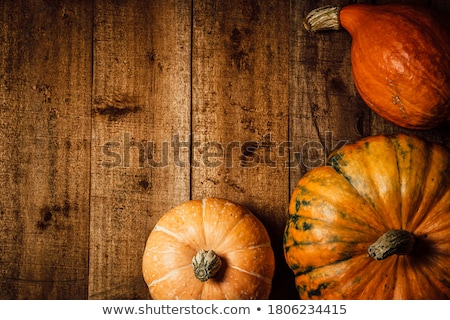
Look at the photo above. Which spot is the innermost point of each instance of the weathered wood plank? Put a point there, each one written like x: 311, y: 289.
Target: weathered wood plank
x: 240, y: 111
x: 45, y: 90
x: 141, y: 106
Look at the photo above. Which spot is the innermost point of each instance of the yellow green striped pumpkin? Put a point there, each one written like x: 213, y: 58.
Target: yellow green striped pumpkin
x: 374, y: 223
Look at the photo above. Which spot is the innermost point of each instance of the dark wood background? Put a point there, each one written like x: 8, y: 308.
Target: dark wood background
x: 113, y: 112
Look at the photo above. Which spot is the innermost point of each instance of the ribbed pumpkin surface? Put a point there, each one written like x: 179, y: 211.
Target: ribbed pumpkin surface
x: 375, y: 185
x: 231, y: 230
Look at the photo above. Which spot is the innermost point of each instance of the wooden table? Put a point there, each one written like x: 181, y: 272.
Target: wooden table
x: 113, y: 112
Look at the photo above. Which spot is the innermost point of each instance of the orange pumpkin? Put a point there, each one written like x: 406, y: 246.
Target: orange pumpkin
x: 209, y: 249
x: 400, y: 59
x: 374, y: 223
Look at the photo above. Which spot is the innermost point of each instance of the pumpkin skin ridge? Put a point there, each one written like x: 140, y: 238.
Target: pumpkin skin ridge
x: 262, y: 245
x: 330, y: 240
x: 410, y: 269
x: 310, y: 269
x: 368, y: 180
x: 359, y: 144
x: 424, y: 210
x: 335, y: 239
x: 400, y: 153
x: 424, y: 226
x: 356, y: 220
x: 306, y: 265
x: 167, y: 275
x: 331, y: 284
x: 429, y: 158
x: 443, y: 197
x: 255, y: 251
x: 424, y: 272
x: 228, y: 236
x: 159, y: 228
x: 171, y: 281
x: 230, y: 231
x: 257, y: 275
x: 328, y: 199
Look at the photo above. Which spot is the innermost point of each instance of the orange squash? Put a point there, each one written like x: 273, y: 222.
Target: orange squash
x: 400, y: 59
x: 209, y: 249
x: 374, y: 223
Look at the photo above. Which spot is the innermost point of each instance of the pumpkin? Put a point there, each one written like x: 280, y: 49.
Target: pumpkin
x: 208, y: 249
x: 400, y: 59
x: 373, y: 223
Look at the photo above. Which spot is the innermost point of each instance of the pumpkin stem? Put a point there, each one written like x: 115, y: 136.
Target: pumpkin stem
x: 323, y: 18
x: 399, y: 242
x: 206, y: 264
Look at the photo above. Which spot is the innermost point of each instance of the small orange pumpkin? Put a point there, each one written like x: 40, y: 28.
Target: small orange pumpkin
x: 400, y: 59
x: 374, y: 223
x: 208, y: 249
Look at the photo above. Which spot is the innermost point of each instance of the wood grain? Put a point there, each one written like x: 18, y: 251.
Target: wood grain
x: 45, y: 144
x: 141, y: 103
